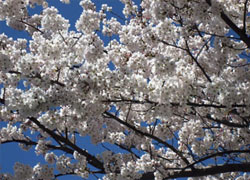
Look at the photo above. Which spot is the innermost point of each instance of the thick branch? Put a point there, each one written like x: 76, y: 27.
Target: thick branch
x: 147, y: 135
x: 219, y: 154
x: 2, y: 101
x: 241, y: 32
x: 244, y: 16
x: 91, y: 159
x: 205, y: 171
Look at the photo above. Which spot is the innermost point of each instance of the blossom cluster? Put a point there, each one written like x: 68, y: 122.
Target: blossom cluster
x: 180, y: 88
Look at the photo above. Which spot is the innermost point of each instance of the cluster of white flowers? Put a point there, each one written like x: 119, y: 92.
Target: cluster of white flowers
x: 89, y: 20
x: 43, y: 172
x: 180, y: 87
x: 5, y: 63
x: 112, y: 26
x: 50, y: 157
x: 38, y: 2
x: 22, y: 172
x: 130, y: 7
x: 26, y: 172
x: 64, y: 165
x: 52, y: 21
x: 105, y: 7
x: 81, y: 165
x: 65, y: 1
x: 13, y: 9
x: 41, y: 147
x: 11, y: 132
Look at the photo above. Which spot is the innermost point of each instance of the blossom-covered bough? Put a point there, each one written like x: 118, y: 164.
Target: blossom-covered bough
x: 180, y: 89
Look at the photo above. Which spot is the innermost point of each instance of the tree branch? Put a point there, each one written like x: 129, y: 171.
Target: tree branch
x: 32, y: 143
x: 227, y: 123
x: 147, y: 135
x: 197, y: 63
x: 244, y: 16
x: 245, y: 167
x: 241, y: 32
x: 91, y: 159
x: 218, y: 154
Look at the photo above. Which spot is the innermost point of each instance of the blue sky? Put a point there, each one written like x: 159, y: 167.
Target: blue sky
x: 11, y: 153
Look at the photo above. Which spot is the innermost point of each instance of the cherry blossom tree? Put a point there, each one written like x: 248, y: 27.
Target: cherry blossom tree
x: 180, y: 89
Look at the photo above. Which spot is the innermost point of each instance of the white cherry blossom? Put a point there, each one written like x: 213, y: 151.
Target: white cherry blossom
x: 160, y: 90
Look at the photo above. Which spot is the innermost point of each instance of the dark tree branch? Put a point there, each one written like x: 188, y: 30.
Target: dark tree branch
x: 244, y: 16
x: 204, y: 45
x: 90, y: 159
x: 39, y: 77
x: 172, y: 45
x: 127, y: 149
x: 2, y: 101
x: 205, y: 105
x: 245, y: 167
x: 244, y: 37
x: 117, y: 15
x: 60, y: 175
x: 241, y: 32
x: 223, y: 153
x: 32, y: 143
x: 215, y: 106
x: 34, y: 27
x: 227, y: 123
x: 14, y: 72
x: 128, y: 101
x: 110, y: 115
x: 238, y: 66
x: 197, y: 63
x: 26, y: 142
x: 217, y: 35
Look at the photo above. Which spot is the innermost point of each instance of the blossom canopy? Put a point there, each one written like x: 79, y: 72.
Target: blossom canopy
x: 175, y: 104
